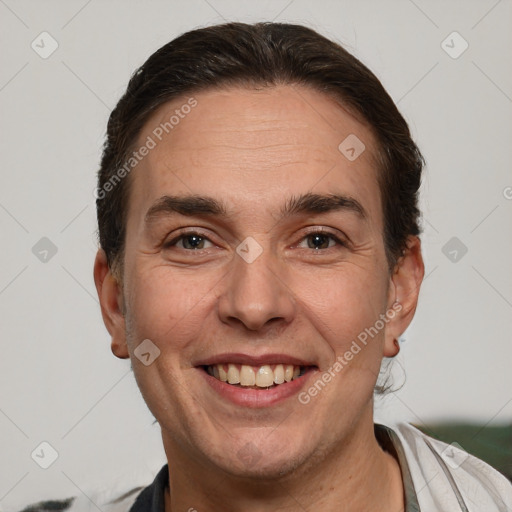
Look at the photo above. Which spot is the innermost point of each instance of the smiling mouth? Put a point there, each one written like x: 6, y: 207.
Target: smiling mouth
x: 256, y: 377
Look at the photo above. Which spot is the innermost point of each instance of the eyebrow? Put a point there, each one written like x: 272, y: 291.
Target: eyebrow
x: 318, y: 203
x: 195, y: 205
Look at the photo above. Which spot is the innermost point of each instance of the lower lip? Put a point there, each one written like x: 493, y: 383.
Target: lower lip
x: 257, y: 398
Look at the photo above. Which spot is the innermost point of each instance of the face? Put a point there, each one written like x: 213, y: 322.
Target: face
x: 254, y: 253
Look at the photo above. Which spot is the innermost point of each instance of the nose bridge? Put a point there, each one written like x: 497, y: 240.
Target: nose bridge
x: 255, y: 292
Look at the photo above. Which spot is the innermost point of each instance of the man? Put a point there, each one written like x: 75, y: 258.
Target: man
x: 258, y: 221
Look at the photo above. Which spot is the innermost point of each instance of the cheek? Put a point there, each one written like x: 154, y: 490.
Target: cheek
x: 167, y: 307
x: 341, y: 304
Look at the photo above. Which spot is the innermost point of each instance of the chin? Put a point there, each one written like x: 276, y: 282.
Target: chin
x: 260, y: 458
x: 265, y: 468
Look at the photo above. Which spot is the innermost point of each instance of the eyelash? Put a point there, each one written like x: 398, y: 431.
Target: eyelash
x: 318, y: 231
x: 324, y: 232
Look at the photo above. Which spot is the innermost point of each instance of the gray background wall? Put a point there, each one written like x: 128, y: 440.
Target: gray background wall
x: 60, y: 383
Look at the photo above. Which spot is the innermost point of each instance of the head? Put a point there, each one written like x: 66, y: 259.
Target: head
x: 257, y: 204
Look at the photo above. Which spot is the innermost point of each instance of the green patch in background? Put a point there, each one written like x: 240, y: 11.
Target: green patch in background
x: 492, y: 444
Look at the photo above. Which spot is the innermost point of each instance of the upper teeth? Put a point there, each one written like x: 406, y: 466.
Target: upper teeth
x: 263, y: 376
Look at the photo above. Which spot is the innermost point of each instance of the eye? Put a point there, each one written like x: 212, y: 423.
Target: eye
x: 189, y: 241
x: 320, y: 240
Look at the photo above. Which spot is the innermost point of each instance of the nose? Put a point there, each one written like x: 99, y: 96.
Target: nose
x: 255, y: 294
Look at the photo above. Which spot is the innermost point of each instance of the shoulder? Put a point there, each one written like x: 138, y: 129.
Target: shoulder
x: 50, y: 505
x: 114, y: 496
x: 99, y: 501
x: 444, y: 474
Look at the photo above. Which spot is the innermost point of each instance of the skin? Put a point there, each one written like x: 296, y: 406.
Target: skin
x: 252, y: 150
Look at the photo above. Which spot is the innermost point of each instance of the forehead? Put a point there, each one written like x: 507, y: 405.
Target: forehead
x: 254, y: 146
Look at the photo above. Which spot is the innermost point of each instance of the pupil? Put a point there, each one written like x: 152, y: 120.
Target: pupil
x: 319, y: 241
x: 193, y: 241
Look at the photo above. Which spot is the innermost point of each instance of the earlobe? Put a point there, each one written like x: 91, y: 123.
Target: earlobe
x: 393, y: 351
x: 404, y: 292
x: 110, y: 296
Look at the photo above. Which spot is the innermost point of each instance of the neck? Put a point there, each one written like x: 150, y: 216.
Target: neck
x: 355, y: 476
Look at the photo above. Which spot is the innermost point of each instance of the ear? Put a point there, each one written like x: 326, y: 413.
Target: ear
x: 403, y: 294
x: 110, y: 295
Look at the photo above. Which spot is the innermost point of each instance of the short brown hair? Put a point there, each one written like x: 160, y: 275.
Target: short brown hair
x: 261, y: 54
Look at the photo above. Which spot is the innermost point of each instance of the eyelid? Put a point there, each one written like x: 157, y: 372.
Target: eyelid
x: 341, y: 240
x: 338, y: 236
x: 184, y: 232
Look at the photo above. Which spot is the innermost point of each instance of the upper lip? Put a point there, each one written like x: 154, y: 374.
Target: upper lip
x: 253, y: 360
